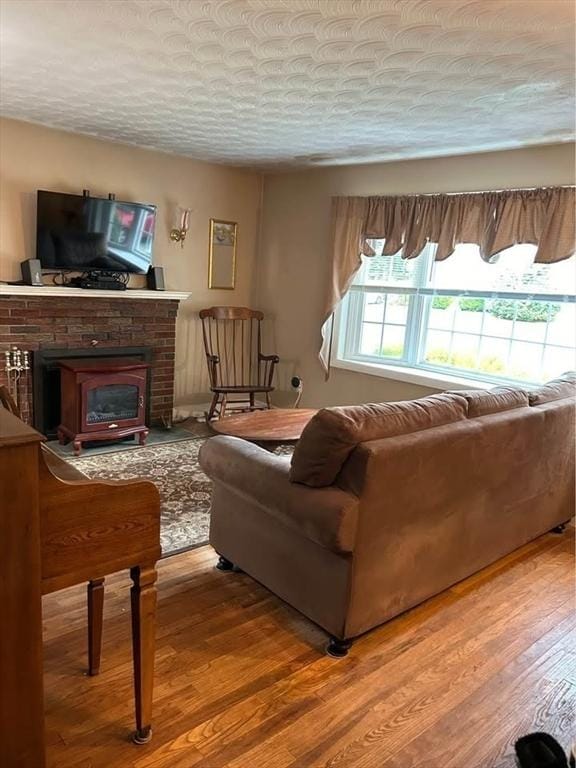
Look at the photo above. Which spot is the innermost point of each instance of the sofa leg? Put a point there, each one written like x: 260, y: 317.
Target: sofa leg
x: 559, y: 528
x: 338, y: 648
x: 224, y: 564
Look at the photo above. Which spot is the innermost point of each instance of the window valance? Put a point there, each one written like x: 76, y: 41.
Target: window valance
x: 545, y: 217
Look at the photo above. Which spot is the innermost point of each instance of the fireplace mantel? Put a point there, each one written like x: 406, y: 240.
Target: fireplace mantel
x: 40, y: 319
x: 56, y: 290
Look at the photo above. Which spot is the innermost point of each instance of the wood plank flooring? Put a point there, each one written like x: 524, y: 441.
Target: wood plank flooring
x: 241, y: 680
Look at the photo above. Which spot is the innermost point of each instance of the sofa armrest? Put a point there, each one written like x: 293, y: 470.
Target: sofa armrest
x: 327, y: 515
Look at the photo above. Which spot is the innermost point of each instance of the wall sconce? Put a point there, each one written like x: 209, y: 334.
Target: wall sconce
x: 178, y: 233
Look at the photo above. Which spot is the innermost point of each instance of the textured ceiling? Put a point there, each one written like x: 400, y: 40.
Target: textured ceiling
x: 297, y: 82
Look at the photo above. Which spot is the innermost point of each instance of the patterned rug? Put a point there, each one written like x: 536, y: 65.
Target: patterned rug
x: 185, y: 491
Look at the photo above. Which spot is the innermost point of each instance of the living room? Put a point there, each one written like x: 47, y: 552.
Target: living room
x: 331, y: 520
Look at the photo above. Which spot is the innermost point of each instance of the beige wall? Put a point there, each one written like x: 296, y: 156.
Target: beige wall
x: 294, y: 260
x: 34, y: 157
x: 289, y: 278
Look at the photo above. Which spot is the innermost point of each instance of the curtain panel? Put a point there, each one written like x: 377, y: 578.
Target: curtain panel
x: 545, y: 217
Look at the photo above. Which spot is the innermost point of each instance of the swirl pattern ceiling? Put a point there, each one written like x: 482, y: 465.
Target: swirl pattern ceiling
x: 295, y: 82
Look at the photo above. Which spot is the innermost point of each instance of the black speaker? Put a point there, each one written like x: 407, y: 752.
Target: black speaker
x: 31, y: 272
x: 155, y: 279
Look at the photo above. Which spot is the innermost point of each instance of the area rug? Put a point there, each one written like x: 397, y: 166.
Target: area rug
x: 185, y: 490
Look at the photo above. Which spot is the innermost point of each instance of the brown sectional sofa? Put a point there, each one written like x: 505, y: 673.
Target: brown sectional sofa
x: 383, y: 506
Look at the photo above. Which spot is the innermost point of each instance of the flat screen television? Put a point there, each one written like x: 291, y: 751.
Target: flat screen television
x: 80, y: 233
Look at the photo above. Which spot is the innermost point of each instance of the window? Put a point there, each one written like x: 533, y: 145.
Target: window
x: 508, y: 320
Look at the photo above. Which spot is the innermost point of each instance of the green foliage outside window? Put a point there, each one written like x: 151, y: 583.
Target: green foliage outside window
x: 489, y: 364
x: 472, y: 305
x: 392, y: 350
x: 441, y: 302
x: 524, y: 311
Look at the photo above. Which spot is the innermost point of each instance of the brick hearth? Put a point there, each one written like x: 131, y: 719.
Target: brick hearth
x: 34, y: 323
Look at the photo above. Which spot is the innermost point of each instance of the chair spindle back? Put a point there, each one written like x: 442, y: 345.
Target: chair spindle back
x: 233, y: 345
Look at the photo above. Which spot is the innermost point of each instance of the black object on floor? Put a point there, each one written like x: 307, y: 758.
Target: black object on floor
x: 338, y: 648
x: 540, y: 750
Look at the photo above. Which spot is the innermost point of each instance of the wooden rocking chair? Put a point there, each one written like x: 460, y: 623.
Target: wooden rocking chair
x: 236, y: 365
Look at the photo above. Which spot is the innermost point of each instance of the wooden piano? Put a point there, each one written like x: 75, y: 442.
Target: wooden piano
x: 58, y: 529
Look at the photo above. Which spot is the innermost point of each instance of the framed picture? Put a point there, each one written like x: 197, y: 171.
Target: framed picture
x: 222, y: 254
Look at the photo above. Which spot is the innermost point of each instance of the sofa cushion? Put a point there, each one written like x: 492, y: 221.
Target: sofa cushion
x: 333, y: 433
x: 482, y: 402
x: 557, y: 389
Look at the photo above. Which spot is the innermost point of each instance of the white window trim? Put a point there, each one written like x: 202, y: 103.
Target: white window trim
x: 426, y: 375
x: 402, y: 373
x: 413, y: 375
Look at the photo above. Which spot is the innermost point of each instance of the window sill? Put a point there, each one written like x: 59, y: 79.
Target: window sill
x: 413, y: 375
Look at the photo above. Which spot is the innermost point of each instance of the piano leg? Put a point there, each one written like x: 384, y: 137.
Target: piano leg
x: 143, y: 599
x: 95, y: 592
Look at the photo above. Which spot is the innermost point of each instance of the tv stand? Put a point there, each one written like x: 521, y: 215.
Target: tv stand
x: 104, y: 280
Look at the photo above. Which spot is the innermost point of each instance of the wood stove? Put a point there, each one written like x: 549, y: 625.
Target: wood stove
x: 102, y: 399
x: 46, y: 380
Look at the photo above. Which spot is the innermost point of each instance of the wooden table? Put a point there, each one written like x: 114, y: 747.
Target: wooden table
x: 21, y: 688
x: 277, y: 426
x: 54, y: 533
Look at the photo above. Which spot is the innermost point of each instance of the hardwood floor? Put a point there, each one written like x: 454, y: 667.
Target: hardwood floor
x: 241, y: 681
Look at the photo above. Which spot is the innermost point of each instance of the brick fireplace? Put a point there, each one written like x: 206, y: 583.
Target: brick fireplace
x: 45, y: 318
